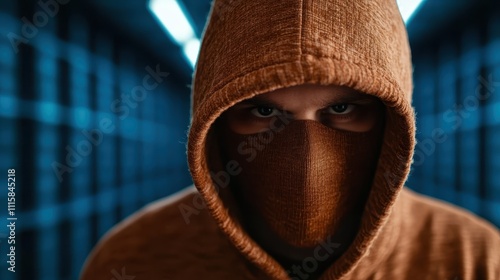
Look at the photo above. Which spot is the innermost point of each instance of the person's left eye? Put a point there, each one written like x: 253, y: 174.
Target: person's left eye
x: 341, y: 109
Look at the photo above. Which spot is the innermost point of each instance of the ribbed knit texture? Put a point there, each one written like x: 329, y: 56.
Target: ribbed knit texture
x: 304, y: 181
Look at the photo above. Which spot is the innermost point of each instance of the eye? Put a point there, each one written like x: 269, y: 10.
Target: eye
x: 341, y: 109
x: 265, y: 112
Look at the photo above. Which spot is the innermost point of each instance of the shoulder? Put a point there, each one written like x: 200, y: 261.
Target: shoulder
x: 440, y: 214
x: 448, y: 237
x: 175, y: 230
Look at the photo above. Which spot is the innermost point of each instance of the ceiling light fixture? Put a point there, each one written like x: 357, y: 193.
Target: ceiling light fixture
x: 175, y: 21
x: 409, y: 8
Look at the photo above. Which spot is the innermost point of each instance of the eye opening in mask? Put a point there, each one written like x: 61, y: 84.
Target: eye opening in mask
x: 334, y: 107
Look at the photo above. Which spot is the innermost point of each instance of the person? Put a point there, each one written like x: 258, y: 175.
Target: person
x: 301, y: 140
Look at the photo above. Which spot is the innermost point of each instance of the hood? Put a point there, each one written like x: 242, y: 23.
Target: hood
x: 253, y: 47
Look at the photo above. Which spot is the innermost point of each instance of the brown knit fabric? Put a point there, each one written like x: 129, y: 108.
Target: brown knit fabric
x: 253, y: 47
x: 261, y: 46
x: 306, y: 180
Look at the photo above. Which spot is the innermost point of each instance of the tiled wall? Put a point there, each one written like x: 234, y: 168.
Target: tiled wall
x: 85, y: 155
x: 457, y: 99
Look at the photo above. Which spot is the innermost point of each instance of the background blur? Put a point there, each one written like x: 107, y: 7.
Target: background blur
x: 90, y: 146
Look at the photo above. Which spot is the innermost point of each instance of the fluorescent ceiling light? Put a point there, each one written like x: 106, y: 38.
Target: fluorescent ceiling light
x: 173, y: 18
x: 408, y: 8
x: 191, y: 50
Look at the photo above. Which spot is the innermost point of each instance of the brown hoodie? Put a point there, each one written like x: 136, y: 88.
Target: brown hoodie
x: 253, y: 47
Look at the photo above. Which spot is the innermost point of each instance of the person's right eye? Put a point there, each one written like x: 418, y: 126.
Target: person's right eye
x: 265, y: 112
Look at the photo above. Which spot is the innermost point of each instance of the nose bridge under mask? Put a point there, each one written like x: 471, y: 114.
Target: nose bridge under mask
x: 303, y: 180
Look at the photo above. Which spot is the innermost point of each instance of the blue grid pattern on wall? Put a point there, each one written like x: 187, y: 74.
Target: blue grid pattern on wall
x: 62, y: 111
x: 457, y: 100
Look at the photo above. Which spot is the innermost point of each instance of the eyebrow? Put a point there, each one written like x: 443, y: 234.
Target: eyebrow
x: 262, y: 100
x: 348, y: 99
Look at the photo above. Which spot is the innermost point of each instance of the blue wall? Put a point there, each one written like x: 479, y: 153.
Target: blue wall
x: 85, y: 156
x: 457, y: 100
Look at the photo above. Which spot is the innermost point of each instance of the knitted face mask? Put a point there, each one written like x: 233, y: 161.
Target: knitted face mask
x: 302, y: 182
